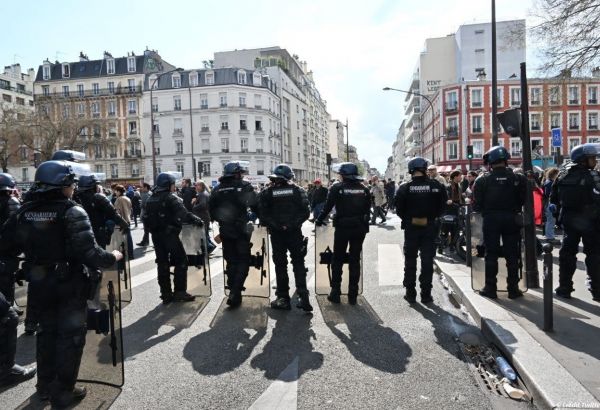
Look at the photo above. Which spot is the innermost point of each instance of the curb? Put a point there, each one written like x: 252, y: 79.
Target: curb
x: 550, y: 384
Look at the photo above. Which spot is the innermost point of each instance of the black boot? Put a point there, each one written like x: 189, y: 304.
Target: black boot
x: 183, y: 297
x: 488, y: 292
x: 563, y: 292
x: 65, y: 399
x: 352, y: 296
x: 167, y: 298
x: 334, y: 296
x: 281, y: 303
x: 235, y: 299
x: 426, y: 296
x: 303, y: 302
x: 411, y: 295
x: 514, y: 293
x: 16, y: 375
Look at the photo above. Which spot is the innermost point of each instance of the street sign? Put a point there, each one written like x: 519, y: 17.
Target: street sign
x: 556, y: 138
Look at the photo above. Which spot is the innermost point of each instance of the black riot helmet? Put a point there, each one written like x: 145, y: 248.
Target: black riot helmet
x: 164, y: 181
x: 235, y: 168
x: 282, y: 171
x: 87, y: 182
x: 347, y: 170
x: 52, y: 175
x: 68, y: 155
x: 580, y: 153
x: 417, y: 164
x: 496, y: 154
x: 7, y: 182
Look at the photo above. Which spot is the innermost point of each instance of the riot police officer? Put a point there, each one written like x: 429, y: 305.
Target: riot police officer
x: 99, y: 209
x: 58, y: 242
x: 499, y: 196
x: 352, y: 201
x: 8, y: 206
x: 165, y: 213
x: 283, y: 208
x: 419, y: 203
x: 577, y: 193
x: 228, y: 205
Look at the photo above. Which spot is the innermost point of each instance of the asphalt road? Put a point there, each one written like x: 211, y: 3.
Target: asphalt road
x: 379, y: 354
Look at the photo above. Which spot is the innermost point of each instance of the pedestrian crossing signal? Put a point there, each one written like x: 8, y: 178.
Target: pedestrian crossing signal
x: 469, y: 152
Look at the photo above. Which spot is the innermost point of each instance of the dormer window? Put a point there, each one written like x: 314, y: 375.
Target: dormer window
x: 66, y: 72
x: 193, y: 79
x: 210, y: 78
x: 110, y: 66
x: 46, y: 72
x: 241, y: 77
x: 256, y: 77
x: 176, y: 81
x: 131, y: 64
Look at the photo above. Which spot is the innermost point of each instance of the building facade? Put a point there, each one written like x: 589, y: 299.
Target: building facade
x: 205, y: 118
x: 101, y: 101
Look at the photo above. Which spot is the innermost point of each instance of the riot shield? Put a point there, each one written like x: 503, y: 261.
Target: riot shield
x: 324, y: 236
x: 478, y: 258
x: 118, y: 241
x: 193, y: 239
x: 103, y: 356
x: 258, y: 282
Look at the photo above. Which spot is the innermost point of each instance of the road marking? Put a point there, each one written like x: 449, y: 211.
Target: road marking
x: 282, y: 393
x: 216, y: 268
x: 390, y: 263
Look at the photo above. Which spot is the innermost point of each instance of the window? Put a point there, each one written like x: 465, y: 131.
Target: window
x: 555, y: 120
x: 23, y: 153
x: 210, y: 78
x: 204, y: 101
x: 46, y: 72
x: 112, y: 130
x: 66, y: 72
x: 132, y: 128
x: 65, y: 90
x: 242, y: 99
x: 258, y: 125
x: 154, y: 104
x: 479, y: 31
x: 111, y: 87
x: 224, y: 145
x: 114, y: 170
x: 223, y: 99
x: 244, y: 144
x: 555, y: 95
x: 176, y: 81
x: 592, y: 121
x: 477, y: 149
x: 204, y: 127
x: 224, y: 123
x: 243, y: 123
x: 260, y: 167
x: 205, y: 146
x: 452, y: 151
x: 476, y: 100
x: 592, y: 94
x: 535, y: 96
x: 131, y: 64
x: 131, y: 85
x: 80, y: 109
x: 479, y: 50
x: 95, y: 109
x: 96, y: 132
x: 80, y: 90
x: 179, y: 148
x: 452, y: 127
x: 205, y: 167
x: 66, y: 111
x: 515, y: 96
x: 573, y: 121
x: 241, y: 77
x: 256, y: 79
x: 515, y: 147
x: 259, y: 145
x: 573, y: 142
x: 573, y: 95
x: 110, y: 66
x: 177, y: 126
x: 25, y: 174
x: 193, y: 79
x: 20, y: 101
x: 152, y: 81
x: 535, y: 122
x: 99, y: 168
x: 135, y: 170
x: 132, y: 104
x: 179, y: 168
x: 46, y: 90
x: 156, y: 127
x: 593, y: 140
x: 476, y: 124
x: 257, y: 101
x: 177, y: 103
x: 500, y: 96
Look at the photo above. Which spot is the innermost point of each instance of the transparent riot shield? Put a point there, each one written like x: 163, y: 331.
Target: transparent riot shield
x: 193, y: 239
x: 103, y: 356
x: 258, y: 281
x: 323, y: 263
x: 478, y: 259
x: 118, y: 241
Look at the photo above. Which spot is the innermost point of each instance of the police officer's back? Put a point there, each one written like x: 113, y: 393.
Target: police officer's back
x: 419, y: 203
x: 228, y: 204
x: 352, y: 201
x: 99, y: 209
x: 58, y: 242
x: 576, y: 192
x: 283, y: 208
x: 8, y: 203
x: 499, y: 197
x: 163, y: 217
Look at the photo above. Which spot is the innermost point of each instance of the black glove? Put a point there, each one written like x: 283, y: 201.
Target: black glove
x: 319, y: 222
x: 198, y: 222
x: 124, y: 228
x: 11, y: 318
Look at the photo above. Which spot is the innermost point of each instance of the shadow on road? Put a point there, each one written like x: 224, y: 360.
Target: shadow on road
x: 291, y: 338
x: 366, y: 338
x: 232, y: 337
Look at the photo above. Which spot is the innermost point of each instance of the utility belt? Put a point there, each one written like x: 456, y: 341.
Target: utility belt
x: 350, y: 221
x: 62, y: 271
x: 417, y: 222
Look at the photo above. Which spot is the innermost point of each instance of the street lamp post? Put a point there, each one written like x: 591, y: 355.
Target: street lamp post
x: 152, y: 121
x: 421, y: 115
x: 192, y: 130
x: 494, y: 79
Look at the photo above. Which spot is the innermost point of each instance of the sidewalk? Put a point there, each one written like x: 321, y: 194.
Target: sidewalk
x: 560, y: 368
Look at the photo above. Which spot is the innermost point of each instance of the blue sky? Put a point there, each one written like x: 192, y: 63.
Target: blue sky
x: 354, y: 47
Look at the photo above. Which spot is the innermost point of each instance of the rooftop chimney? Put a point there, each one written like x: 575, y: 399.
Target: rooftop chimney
x: 83, y: 57
x: 480, y: 75
x: 596, y: 72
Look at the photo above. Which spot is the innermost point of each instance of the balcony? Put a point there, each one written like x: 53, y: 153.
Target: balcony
x: 592, y: 101
x: 204, y: 129
x: 102, y: 92
x: 177, y: 108
x: 514, y: 103
x: 112, y: 155
x: 135, y: 174
x: 114, y: 176
x: 112, y: 134
x: 593, y: 127
x: 573, y: 101
x: 536, y: 127
x: 452, y: 132
x: 476, y: 104
x: 178, y: 132
x: 574, y: 127
x: 242, y: 105
x: 535, y: 102
x: 132, y: 112
x: 476, y: 130
x: 223, y: 105
x: 204, y: 107
x: 451, y: 106
x: 133, y: 154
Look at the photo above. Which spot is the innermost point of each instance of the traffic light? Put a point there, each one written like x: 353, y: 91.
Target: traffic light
x: 328, y: 159
x: 469, y: 152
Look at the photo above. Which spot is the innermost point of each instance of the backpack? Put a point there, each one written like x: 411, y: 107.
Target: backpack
x: 155, y: 216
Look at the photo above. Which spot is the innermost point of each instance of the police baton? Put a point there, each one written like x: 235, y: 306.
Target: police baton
x: 548, y: 302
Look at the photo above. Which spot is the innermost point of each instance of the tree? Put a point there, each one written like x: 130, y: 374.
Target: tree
x: 570, y: 33
x: 10, y: 123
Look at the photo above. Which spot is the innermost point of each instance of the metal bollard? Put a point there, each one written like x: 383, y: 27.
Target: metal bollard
x: 548, y: 295
x: 467, y: 228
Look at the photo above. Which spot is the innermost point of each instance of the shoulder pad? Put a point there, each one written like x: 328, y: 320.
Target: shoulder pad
x: 75, y: 212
